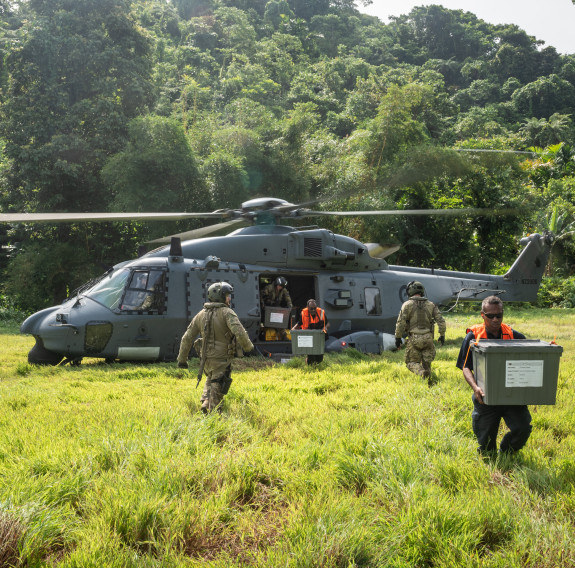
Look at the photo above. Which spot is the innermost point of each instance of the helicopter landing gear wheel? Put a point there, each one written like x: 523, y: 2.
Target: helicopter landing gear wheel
x: 76, y: 362
x: 39, y: 355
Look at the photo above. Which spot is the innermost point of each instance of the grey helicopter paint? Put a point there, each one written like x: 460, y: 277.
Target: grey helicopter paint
x: 139, y: 310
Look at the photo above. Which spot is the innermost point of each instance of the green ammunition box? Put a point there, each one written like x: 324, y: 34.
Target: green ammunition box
x: 519, y: 371
x: 277, y: 317
x: 307, y: 341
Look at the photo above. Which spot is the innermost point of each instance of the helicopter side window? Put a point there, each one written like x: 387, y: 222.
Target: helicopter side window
x: 373, y: 301
x: 145, y: 292
x: 108, y: 291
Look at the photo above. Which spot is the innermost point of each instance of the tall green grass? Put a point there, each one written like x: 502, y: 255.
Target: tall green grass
x: 354, y: 463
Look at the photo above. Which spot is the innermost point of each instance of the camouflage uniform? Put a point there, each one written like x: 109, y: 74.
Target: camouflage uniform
x: 271, y: 297
x: 220, y: 327
x: 417, y: 317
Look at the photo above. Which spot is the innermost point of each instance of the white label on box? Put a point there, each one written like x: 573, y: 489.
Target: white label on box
x: 276, y: 317
x: 524, y: 374
x: 305, y: 340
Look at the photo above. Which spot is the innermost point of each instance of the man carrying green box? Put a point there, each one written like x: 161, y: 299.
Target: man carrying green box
x: 486, y: 417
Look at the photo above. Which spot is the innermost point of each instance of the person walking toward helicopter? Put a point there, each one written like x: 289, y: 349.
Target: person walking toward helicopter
x: 220, y: 332
x: 417, y: 319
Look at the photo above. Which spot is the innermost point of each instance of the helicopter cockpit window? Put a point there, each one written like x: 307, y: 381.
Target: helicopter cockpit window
x: 373, y: 301
x: 108, y: 291
x: 145, y: 292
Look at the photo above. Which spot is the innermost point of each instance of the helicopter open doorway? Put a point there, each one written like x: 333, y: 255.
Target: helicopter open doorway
x: 275, y: 336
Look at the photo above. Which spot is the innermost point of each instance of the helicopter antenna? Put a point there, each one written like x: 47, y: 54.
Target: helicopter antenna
x: 478, y: 291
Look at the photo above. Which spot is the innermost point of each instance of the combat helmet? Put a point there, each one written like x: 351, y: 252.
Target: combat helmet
x: 280, y: 281
x: 415, y: 287
x: 218, y: 291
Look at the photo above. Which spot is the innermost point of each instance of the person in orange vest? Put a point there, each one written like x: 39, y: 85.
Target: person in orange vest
x: 486, y: 418
x: 313, y: 317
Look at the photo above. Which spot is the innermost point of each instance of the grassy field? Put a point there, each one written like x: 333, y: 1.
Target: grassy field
x: 356, y: 463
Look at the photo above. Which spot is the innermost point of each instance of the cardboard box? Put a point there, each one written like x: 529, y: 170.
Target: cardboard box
x: 307, y: 341
x: 277, y: 317
x: 519, y: 371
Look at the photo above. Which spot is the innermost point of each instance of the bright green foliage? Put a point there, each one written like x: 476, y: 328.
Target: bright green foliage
x: 354, y: 463
x: 544, y: 97
x: 557, y: 292
x: 398, y: 124
x: 542, y: 132
x: 552, y: 162
x: 224, y: 171
x: 157, y: 170
x: 75, y: 106
x: 36, y: 270
x: 276, y: 12
x: 77, y: 72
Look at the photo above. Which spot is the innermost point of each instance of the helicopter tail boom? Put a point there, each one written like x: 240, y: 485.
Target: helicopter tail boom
x: 520, y: 284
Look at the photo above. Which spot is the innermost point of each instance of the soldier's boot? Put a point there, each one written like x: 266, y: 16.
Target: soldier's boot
x: 426, y: 365
x: 205, y: 407
x: 415, y: 368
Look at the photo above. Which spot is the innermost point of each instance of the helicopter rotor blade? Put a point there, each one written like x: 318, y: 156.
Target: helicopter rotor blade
x: 407, y: 212
x: 103, y: 217
x: 199, y: 233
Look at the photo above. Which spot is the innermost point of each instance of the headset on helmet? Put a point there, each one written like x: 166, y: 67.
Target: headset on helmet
x: 218, y: 291
x: 415, y: 287
x: 280, y: 281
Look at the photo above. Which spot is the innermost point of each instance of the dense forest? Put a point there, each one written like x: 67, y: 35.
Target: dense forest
x: 195, y: 105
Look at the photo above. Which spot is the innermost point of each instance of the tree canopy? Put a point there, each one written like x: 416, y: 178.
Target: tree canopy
x: 201, y: 104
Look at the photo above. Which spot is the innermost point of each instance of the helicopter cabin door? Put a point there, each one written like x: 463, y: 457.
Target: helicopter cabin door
x: 245, y: 296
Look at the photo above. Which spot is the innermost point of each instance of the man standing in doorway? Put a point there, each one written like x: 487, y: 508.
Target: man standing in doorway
x: 276, y: 294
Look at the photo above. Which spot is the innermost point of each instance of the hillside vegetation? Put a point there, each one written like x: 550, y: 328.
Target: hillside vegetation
x: 356, y: 463
x: 194, y: 105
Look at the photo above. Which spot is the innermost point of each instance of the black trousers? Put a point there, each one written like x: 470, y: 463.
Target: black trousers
x: 486, y: 419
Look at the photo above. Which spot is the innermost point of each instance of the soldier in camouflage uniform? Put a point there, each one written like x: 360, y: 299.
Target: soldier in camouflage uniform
x: 276, y: 294
x: 416, y: 319
x: 219, y: 329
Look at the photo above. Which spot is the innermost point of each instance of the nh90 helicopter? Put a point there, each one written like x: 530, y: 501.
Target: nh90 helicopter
x: 139, y: 309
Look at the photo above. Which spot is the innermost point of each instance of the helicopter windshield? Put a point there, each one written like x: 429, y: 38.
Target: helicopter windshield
x: 108, y: 291
x: 145, y: 292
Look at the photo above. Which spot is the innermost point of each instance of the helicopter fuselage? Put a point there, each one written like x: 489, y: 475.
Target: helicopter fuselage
x: 140, y: 309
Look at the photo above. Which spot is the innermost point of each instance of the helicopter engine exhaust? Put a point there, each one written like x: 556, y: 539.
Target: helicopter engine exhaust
x: 333, y: 253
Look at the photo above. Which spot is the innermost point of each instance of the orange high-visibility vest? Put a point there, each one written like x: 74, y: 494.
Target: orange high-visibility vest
x: 481, y: 333
x: 307, y: 318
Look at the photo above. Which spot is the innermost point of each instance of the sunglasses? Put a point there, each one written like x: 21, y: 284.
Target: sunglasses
x: 492, y: 316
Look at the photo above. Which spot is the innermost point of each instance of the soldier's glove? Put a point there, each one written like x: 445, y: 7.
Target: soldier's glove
x: 398, y: 342
x: 442, y: 340
x: 183, y: 365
